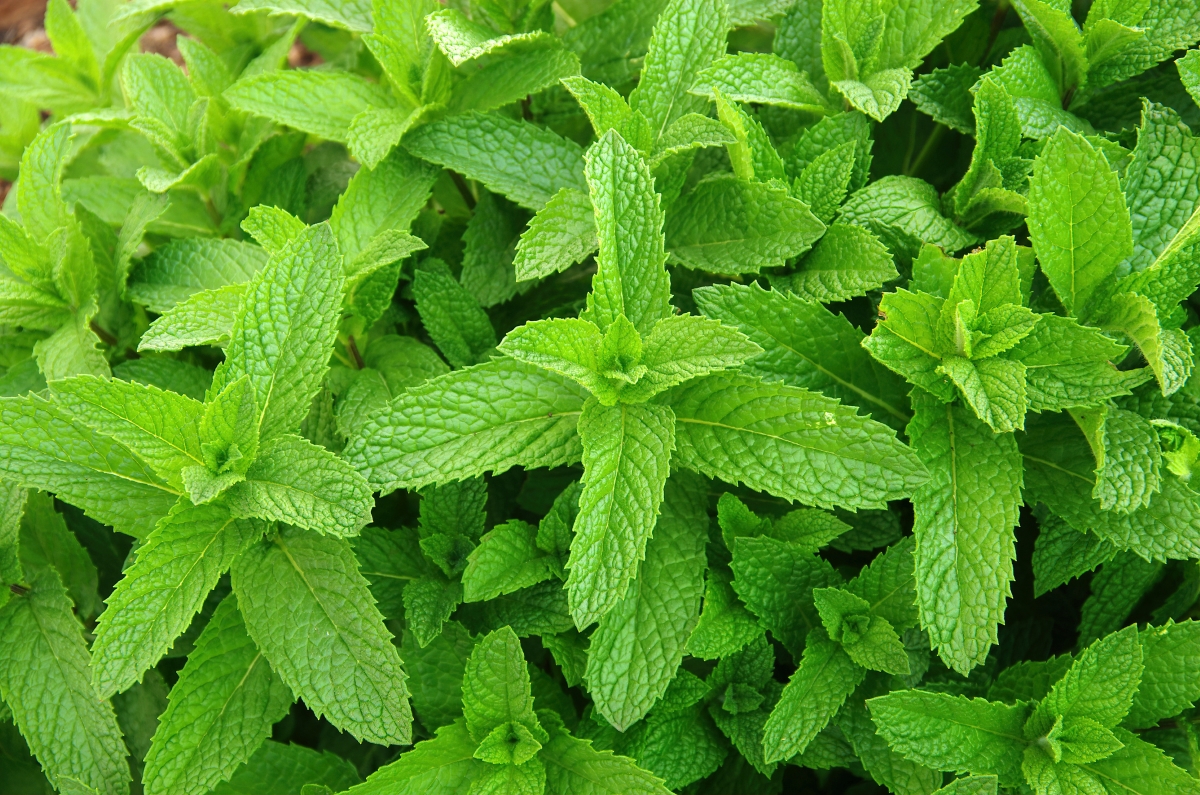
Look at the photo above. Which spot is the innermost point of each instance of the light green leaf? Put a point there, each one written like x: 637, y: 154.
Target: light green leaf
x: 1140, y: 767
x: 295, y: 481
x: 506, y: 560
x: 964, y: 520
x: 847, y: 261
x: 44, y: 447
x: 1099, y: 685
x: 496, y: 686
x: 1078, y: 220
x: 575, y: 767
x: 525, y: 163
x: 323, y: 103
x: 285, y: 329
x: 163, y: 590
x: 354, y: 15
x: 182, y: 268
x: 879, y: 94
x: 761, y: 78
x: 775, y: 580
x: 561, y: 234
x: 463, y: 40
x: 630, y: 279
x: 444, y: 763
x: 793, y: 443
x: 490, y: 417
x: 1166, y: 688
x: 626, y: 455
x: 806, y: 345
x: 825, y: 678
x: 634, y: 653
x: 727, y: 225
x: 994, y: 388
x: 161, y: 428
x: 44, y: 680
x: 304, y: 600
x: 904, y: 212
x: 219, y: 711
x: 954, y: 733
x: 453, y: 317
x: 689, y: 34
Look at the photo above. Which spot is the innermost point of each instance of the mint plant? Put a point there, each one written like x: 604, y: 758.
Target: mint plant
x: 630, y: 397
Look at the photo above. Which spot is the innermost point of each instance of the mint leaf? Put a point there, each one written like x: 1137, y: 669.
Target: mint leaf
x: 626, y: 450
x: 630, y: 278
x: 44, y: 666
x: 490, y: 147
x: 813, y: 695
x: 689, y: 34
x: 155, y: 601
x: 219, y: 711
x: 284, y: 330
x: 415, y: 440
x: 730, y: 427
x: 296, y: 589
x: 654, y: 618
x: 1078, y: 221
x: 734, y: 226
x: 964, y: 525
x: 954, y: 732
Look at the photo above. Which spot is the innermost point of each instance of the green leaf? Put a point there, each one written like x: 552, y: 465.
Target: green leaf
x: 219, y: 711
x: 354, y: 15
x: 728, y: 225
x: 634, y: 653
x: 880, y: 94
x: 561, y: 234
x: 944, y: 94
x: 1099, y: 685
x: 689, y: 34
x: 182, y: 268
x: 626, y: 451
x: 954, y: 733
x: 453, y: 317
x: 156, y: 600
x: 964, y: 520
x: 44, y: 680
x: 760, y: 78
x: 463, y: 40
x: 506, y: 560
x: 490, y: 417
x: 161, y: 428
x: 44, y: 447
x: 1140, y: 767
x: 904, y: 212
x: 1069, y: 365
x: 725, y: 626
x: 575, y: 767
x: 1165, y: 689
x: 1078, y: 220
x: 790, y: 442
x: 496, y: 687
x: 775, y: 580
x: 1128, y: 457
x: 525, y: 163
x: 806, y: 345
x: 1166, y: 350
x: 303, y: 599
x: 290, y: 768
x: 1062, y: 553
x: 1059, y: 469
x: 295, y: 481
x: 825, y: 678
x: 444, y: 763
x: 45, y: 541
x: 752, y: 154
x: 630, y: 279
x: 285, y: 329
x: 847, y: 261
x: 994, y: 388
x: 323, y: 103
x: 1058, y: 38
